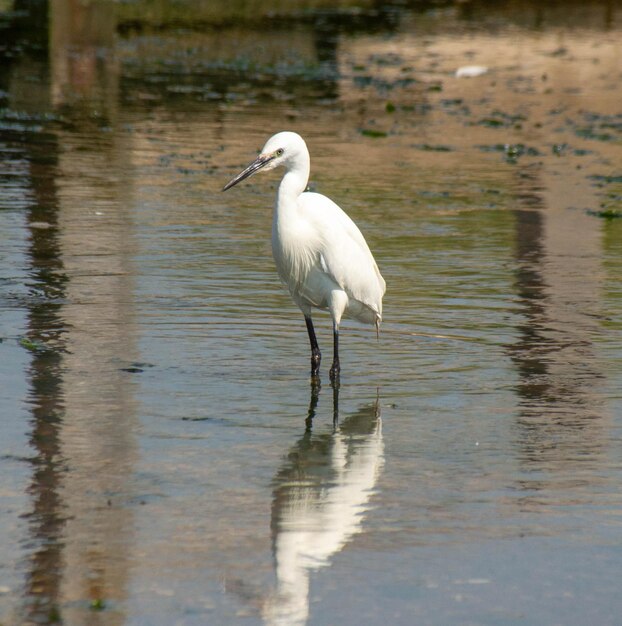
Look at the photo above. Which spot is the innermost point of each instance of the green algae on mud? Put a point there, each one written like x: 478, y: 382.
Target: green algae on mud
x: 426, y: 147
x: 608, y: 214
x: 373, y: 133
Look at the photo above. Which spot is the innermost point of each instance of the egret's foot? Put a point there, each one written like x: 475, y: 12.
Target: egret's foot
x: 316, y: 359
x: 334, y: 372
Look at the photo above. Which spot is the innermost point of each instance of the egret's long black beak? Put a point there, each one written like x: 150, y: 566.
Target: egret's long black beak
x: 255, y: 166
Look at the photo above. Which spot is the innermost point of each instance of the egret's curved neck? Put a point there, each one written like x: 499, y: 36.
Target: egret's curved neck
x: 295, y: 180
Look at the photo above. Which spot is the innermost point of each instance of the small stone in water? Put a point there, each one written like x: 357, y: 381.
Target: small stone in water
x: 471, y: 71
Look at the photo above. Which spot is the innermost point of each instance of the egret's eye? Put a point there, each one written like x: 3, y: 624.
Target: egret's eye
x: 279, y: 152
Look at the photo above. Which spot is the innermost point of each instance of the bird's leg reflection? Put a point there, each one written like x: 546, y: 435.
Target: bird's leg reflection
x: 315, y: 395
x: 335, y: 387
x: 316, y: 386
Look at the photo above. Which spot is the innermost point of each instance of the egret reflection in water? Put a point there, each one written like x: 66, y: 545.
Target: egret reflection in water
x: 320, y: 497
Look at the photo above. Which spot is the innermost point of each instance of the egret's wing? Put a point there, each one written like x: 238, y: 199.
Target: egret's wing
x: 344, y: 253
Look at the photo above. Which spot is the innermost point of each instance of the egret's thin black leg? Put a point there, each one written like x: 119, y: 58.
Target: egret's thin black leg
x: 335, y: 369
x: 316, y: 355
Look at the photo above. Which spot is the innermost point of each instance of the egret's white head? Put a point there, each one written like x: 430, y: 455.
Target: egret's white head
x: 285, y: 148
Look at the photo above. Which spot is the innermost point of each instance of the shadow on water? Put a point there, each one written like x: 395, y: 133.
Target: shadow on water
x: 320, y: 497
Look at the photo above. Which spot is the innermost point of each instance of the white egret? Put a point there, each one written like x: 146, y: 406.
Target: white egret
x: 320, y: 253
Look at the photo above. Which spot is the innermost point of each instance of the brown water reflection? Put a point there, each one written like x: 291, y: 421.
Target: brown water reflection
x: 563, y: 423
x: 155, y: 470
x: 79, y: 326
x: 46, y: 324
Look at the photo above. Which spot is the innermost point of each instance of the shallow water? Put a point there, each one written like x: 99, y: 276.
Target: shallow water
x: 166, y: 460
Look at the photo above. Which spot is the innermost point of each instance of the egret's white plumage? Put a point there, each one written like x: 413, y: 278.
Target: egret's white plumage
x: 320, y: 253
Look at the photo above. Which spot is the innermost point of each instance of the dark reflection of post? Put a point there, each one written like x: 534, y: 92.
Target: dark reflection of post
x: 530, y: 288
x: 560, y: 411
x: 46, y: 329
x: 22, y: 56
x: 320, y: 496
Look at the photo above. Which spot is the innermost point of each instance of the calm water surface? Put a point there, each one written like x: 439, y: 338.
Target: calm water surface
x: 165, y: 459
